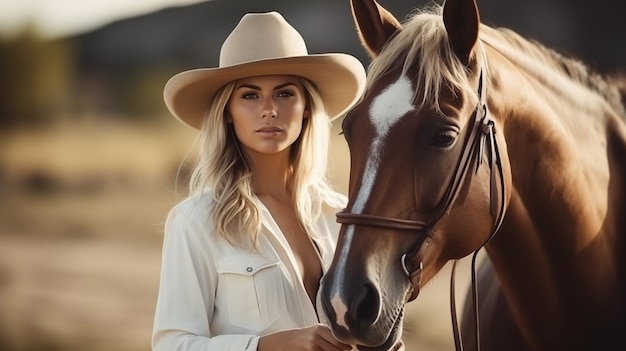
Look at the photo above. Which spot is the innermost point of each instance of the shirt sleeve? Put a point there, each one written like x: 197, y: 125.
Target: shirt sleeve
x: 187, y: 287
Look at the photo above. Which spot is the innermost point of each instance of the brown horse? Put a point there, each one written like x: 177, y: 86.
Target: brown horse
x: 464, y: 131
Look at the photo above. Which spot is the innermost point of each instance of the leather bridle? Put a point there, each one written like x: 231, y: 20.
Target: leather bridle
x: 480, y: 138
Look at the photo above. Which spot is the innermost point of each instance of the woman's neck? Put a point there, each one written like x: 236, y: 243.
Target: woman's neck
x: 271, y: 174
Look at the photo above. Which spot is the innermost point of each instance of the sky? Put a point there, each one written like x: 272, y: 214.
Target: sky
x: 58, y: 18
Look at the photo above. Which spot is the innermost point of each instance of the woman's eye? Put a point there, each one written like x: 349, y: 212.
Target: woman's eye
x: 285, y: 94
x: 444, y: 138
x: 249, y: 95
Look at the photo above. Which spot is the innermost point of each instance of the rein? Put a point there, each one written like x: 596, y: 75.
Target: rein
x: 480, y: 137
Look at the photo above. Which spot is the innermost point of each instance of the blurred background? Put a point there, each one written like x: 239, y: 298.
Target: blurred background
x: 91, y: 161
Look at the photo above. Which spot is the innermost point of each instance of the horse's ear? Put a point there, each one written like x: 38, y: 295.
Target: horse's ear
x: 462, y: 21
x: 375, y: 25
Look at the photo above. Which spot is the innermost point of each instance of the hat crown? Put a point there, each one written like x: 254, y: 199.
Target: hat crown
x: 261, y: 36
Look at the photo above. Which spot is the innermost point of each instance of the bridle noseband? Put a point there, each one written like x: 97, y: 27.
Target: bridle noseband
x: 481, y: 135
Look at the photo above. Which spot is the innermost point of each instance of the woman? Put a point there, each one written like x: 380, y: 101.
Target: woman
x: 244, y: 253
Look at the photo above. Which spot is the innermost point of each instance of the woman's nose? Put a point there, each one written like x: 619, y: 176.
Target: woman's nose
x: 269, y: 110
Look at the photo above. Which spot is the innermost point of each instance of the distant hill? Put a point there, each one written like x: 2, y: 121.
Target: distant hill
x: 191, y: 36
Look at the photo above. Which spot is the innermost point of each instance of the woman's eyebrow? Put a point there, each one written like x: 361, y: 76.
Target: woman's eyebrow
x: 280, y: 86
x: 255, y: 87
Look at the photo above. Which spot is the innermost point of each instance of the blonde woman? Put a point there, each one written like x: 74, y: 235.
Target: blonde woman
x: 244, y: 253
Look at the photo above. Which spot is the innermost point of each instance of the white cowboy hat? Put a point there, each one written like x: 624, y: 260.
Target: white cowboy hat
x: 263, y: 44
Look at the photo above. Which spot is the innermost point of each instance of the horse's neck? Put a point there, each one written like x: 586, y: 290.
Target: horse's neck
x: 560, y: 251
x: 563, y: 145
x: 566, y: 144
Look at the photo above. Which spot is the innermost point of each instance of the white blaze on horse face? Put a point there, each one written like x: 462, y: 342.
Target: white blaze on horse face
x: 386, y: 109
x: 392, y: 103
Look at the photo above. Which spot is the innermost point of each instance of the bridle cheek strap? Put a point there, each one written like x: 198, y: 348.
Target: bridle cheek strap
x: 498, y: 210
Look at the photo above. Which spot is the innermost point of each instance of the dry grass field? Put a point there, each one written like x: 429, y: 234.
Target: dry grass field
x: 81, y: 211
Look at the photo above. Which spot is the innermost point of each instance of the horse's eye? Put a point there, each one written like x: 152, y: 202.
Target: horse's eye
x: 444, y: 138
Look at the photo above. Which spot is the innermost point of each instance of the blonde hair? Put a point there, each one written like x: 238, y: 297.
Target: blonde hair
x: 423, y: 42
x: 221, y: 170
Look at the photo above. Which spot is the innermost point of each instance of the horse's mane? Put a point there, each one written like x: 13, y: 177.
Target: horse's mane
x: 424, y: 45
x: 619, y: 80
x: 550, y: 66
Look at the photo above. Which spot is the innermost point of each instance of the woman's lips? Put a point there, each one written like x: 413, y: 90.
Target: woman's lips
x: 269, y: 130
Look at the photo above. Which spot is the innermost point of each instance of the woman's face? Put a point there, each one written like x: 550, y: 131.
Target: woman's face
x: 267, y: 112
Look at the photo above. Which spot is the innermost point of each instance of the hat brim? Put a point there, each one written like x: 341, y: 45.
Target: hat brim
x: 340, y: 79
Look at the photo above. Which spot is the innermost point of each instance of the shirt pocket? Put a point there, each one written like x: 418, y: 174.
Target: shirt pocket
x: 254, y: 289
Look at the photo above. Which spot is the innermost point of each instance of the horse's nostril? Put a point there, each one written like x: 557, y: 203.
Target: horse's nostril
x: 365, y: 307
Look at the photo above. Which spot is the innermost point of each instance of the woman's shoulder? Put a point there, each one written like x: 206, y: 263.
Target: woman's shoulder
x: 194, y: 202
x: 193, y: 210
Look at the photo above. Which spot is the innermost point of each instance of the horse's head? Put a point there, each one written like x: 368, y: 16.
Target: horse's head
x: 426, y: 183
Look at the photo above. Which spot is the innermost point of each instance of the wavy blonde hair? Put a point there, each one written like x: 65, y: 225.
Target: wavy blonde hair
x: 222, y: 171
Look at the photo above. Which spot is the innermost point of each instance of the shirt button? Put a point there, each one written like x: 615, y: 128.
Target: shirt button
x: 249, y: 269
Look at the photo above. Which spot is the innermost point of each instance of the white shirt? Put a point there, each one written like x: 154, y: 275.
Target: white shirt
x: 217, y: 297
